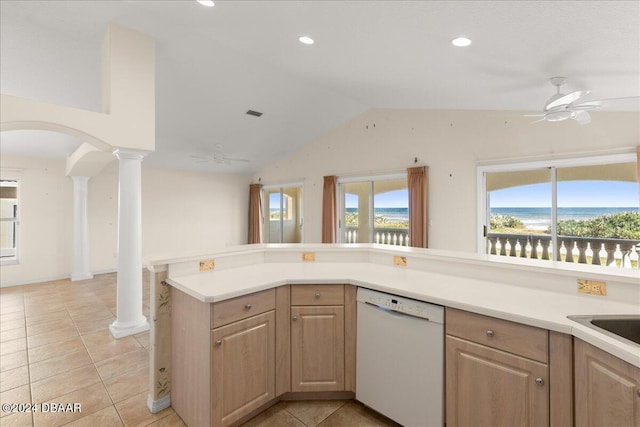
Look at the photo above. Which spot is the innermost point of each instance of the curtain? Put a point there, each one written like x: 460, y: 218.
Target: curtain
x: 329, y: 209
x: 255, y: 213
x: 638, y: 166
x: 417, y: 184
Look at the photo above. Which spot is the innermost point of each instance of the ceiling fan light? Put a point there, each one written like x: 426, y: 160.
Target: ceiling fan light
x: 208, y: 3
x: 558, y: 116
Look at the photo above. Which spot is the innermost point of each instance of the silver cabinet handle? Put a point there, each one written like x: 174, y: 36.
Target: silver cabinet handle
x: 294, y: 318
x: 317, y: 294
x: 539, y: 381
x: 489, y: 333
x: 218, y: 343
x: 248, y: 306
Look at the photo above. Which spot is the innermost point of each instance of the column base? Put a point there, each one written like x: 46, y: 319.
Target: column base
x: 119, y: 331
x: 80, y: 276
x: 158, y: 405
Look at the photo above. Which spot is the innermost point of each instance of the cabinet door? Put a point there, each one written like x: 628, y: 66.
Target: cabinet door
x: 317, y: 348
x: 243, y: 367
x: 492, y: 388
x: 607, y: 389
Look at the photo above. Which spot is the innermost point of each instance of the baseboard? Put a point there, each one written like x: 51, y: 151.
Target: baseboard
x: 50, y: 279
x: 158, y: 405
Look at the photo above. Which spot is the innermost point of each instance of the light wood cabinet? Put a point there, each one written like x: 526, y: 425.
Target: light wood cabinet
x: 607, y: 389
x: 243, y: 367
x: 323, y: 338
x: 317, y: 348
x: 497, y: 372
x: 489, y: 387
x: 225, y: 356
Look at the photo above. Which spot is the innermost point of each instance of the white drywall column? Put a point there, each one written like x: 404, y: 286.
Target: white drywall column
x: 130, y: 319
x: 80, y: 233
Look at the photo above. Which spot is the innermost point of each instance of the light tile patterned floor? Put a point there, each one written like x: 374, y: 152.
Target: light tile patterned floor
x: 55, y: 347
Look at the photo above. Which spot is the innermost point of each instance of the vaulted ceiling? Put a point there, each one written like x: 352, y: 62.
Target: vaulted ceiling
x: 214, y: 64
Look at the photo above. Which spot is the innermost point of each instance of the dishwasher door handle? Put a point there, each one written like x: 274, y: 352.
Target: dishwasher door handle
x: 396, y: 314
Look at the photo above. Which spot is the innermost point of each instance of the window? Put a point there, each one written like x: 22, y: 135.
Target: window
x: 284, y: 210
x: 374, y: 210
x: 574, y: 210
x: 8, y: 221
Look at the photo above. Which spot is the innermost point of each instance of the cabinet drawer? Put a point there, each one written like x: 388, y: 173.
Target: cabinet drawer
x: 516, y: 338
x: 232, y: 310
x: 317, y: 295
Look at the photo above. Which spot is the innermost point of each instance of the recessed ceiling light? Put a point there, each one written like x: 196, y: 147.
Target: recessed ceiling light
x: 305, y: 39
x: 207, y: 3
x: 461, y: 42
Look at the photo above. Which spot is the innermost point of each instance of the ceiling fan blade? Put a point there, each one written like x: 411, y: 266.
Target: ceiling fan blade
x: 567, y: 99
x: 538, y: 121
x: 582, y: 117
x: 238, y: 160
x: 200, y: 157
x: 534, y: 115
x: 632, y: 101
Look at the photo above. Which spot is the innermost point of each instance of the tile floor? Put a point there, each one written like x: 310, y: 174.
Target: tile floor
x: 55, y: 347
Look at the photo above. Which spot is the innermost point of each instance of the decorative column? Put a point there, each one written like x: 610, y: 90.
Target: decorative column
x: 130, y: 319
x: 80, y: 234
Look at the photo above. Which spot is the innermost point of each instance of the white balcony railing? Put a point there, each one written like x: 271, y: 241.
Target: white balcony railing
x: 385, y: 236
x: 584, y: 250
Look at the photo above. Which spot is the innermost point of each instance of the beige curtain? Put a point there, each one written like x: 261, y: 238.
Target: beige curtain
x: 329, y: 209
x: 417, y: 184
x: 255, y: 213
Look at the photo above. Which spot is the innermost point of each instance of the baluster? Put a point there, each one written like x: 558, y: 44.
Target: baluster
x: 507, y: 248
x: 355, y: 236
x: 575, y: 252
x: 539, y: 250
x: 603, y: 255
x: 550, y: 251
x: 395, y: 239
x: 588, y: 254
x: 388, y: 238
x: 617, y: 256
x: 377, y: 237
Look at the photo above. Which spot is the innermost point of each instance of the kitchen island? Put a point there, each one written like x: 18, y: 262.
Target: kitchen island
x: 538, y: 294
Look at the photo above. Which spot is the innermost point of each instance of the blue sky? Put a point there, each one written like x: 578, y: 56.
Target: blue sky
x: 570, y: 194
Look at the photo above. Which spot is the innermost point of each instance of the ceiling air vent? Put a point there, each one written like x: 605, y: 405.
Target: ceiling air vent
x: 254, y: 113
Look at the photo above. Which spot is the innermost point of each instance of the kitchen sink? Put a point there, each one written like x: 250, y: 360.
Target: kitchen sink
x: 622, y: 327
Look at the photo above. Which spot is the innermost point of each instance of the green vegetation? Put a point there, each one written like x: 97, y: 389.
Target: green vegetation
x: 623, y: 225
x: 505, y: 221
x: 351, y: 220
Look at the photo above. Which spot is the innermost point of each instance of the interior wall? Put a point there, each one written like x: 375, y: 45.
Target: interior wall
x: 182, y: 211
x: 452, y: 144
x: 45, y: 210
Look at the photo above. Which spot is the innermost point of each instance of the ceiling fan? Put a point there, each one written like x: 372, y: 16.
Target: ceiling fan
x: 563, y: 107
x: 219, y: 157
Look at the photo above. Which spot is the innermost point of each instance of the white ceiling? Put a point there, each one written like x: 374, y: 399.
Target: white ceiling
x: 213, y: 64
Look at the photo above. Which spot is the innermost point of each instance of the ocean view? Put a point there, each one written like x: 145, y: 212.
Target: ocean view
x: 540, y: 218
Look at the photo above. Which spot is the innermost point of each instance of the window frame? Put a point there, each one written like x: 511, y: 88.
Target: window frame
x: 15, y: 259
x: 553, y: 164
x: 266, y: 216
x: 365, y: 178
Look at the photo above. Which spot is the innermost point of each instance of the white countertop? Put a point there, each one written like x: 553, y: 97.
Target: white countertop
x: 536, y: 307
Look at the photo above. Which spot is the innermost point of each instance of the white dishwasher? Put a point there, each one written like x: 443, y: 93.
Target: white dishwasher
x: 400, y: 350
